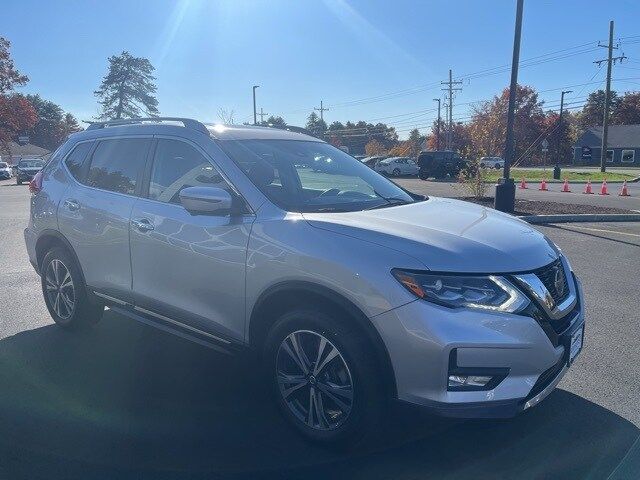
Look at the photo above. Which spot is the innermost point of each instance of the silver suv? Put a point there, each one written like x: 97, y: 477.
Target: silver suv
x: 353, y: 290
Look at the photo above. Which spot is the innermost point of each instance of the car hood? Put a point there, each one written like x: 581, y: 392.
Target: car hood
x: 447, y: 235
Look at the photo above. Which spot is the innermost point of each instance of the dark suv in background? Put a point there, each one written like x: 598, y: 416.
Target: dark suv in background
x: 27, y: 168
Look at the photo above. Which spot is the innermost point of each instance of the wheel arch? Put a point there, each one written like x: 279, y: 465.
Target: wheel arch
x: 278, y: 298
x: 49, y: 239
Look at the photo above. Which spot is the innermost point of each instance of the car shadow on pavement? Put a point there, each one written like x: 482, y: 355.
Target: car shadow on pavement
x: 123, y: 400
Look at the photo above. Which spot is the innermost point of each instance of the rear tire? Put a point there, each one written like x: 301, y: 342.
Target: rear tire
x: 345, y: 394
x: 65, y: 292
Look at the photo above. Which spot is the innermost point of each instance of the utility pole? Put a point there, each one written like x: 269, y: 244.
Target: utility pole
x: 321, y: 110
x: 559, y: 143
x: 611, y: 60
x: 450, y: 88
x: 438, y: 125
x: 262, y: 115
x: 255, y: 116
x: 505, y: 198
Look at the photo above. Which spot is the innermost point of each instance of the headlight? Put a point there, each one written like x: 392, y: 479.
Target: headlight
x: 486, y: 292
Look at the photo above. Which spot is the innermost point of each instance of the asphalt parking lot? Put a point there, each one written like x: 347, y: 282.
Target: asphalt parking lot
x: 451, y: 189
x: 123, y: 400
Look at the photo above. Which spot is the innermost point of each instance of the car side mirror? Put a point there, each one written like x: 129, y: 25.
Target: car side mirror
x: 206, y: 200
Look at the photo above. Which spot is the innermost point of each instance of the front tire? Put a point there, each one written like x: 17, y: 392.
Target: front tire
x: 324, y: 377
x: 65, y: 293
x: 396, y: 172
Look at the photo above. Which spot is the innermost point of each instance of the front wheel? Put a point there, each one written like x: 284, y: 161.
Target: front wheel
x: 65, y: 293
x: 324, y: 377
x: 396, y: 172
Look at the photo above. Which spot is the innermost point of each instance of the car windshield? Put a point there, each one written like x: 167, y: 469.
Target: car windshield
x: 31, y: 164
x: 307, y: 176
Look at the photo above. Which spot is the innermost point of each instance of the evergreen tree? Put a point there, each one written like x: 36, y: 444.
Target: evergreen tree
x: 128, y: 89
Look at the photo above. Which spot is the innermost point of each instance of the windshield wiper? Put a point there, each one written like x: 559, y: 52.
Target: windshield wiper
x: 391, y: 202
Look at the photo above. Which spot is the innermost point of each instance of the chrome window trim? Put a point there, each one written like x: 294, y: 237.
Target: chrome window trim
x: 536, y: 288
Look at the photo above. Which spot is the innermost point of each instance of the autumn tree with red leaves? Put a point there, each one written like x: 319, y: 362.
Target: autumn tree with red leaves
x: 16, y: 113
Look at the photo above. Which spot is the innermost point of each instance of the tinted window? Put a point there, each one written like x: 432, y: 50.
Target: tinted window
x: 178, y: 165
x: 116, y: 164
x: 76, y: 158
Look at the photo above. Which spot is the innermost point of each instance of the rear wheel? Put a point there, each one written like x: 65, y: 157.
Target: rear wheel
x: 65, y: 293
x: 324, y: 377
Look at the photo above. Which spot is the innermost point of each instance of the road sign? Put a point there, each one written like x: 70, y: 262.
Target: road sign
x: 23, y: 139
x: 545, y: 145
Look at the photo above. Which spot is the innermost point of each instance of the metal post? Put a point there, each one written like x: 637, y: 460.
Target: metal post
x: 438, y: 125
x: 559, y: 142
x: 607, y: 100
x: 505, y: 189
x: 255, y: 113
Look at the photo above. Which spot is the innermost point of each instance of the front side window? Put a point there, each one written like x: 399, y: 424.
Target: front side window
x: 178, y: 165
x: 76, y: 158
x: 628, y: 156
x: 117, y: 164
x: 308, y: 176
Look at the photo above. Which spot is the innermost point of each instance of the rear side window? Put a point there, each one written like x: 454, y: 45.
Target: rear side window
x: 116, y: 165
x: 76, y: 158
x: 178, y: 165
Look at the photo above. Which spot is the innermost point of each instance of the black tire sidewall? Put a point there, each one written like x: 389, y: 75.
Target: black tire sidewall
x: 358, y: 355
x: 85, y: 312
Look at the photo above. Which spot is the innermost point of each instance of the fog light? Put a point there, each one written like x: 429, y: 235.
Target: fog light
x: 468, y: 380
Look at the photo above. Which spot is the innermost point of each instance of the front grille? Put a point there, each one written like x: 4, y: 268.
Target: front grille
x: 547, y: 275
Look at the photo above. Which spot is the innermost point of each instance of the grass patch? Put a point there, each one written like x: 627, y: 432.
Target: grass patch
x: 539, y: 174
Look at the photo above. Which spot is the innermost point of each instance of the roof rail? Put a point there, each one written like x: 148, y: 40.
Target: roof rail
x: 187, y: 122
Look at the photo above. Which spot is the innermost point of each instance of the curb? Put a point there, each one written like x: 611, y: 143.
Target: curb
x: 589, y: 217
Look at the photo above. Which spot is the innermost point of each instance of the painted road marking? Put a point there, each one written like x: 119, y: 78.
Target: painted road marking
x: 603, y: 230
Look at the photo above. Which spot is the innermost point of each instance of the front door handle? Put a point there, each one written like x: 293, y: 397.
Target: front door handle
x: 72, y: 205
x: 142, y: 224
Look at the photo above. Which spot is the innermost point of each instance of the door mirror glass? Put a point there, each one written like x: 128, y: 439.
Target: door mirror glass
x: 206, y: 200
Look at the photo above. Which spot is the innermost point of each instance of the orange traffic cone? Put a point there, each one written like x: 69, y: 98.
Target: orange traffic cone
x: 565, y: 186
x: 587, y: 188
x: 523, y: 184
x: 624, y: 192
x: 603, y: 188
x: 543, y: 185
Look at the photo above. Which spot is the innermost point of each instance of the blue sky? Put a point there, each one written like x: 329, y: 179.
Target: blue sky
x: 375, y: 59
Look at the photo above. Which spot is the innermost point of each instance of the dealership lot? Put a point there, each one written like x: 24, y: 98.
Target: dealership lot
x: 123, y: 400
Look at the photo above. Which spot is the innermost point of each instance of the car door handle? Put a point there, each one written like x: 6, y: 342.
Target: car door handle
x: 142, y: 224
x: 72, y: 205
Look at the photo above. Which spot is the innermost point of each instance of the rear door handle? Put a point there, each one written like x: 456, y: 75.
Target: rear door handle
x: 142, y: 224
x: 72, y: 205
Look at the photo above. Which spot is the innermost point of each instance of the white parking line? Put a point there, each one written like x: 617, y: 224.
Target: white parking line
x: 604, y: 231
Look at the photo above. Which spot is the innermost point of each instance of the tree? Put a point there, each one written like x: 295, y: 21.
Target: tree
x: 9, y: 76
x: 315, y: 125
x: 276, y: 121
x: 226, y: 116
x: 374, y: 147
x: 627, y: 111
x: 53, y: 125
x: 593, y: 111
x: 16, y: 113
x: 486, y: 133
x: 70, y: 124
x: 128, y: 89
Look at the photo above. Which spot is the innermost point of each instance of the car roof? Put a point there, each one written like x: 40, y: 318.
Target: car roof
x: 249, y: 132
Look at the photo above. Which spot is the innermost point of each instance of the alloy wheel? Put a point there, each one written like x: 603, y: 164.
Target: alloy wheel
x: 60, y: 289
x: 314, y: 380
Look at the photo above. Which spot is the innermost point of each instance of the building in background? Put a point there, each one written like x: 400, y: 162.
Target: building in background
x: 17, y: 152
x: 623, y: 149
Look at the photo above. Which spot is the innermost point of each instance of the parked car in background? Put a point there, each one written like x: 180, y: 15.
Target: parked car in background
x: 359, y: 157
x: 491, y: 162
x: 373, y: 160
x: 351, y: 291
x: 27, y: 168
x: 439, y: 164
x: 5, y: 171
x: 396, y: 166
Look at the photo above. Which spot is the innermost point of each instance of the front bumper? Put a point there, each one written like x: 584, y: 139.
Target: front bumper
x: 420, y: 337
